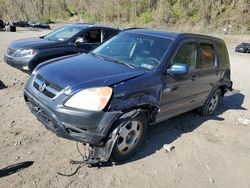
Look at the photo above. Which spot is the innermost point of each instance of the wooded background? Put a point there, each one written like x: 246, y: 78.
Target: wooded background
x: 177, y: 15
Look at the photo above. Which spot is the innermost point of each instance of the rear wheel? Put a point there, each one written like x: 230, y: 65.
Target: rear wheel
x: 1, y: 24
x: 131, y: 136
x: 211, y: 104
x: 12, y: 28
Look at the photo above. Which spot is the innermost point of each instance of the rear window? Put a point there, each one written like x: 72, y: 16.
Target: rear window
x: 245, y: 44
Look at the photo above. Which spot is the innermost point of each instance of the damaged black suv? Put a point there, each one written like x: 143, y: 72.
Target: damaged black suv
x: 109, y: 97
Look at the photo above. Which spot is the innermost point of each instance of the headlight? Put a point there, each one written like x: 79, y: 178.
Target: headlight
x: 25, y: 53
x: 90, y: 99
x: 34, y: 72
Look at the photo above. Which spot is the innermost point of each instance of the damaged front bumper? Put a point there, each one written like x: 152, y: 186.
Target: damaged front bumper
x: 78, y: 125
x: 97, y: 129
x: 91, y: 128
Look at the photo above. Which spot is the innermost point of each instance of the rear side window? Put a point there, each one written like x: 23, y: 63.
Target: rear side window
x: 206, y: 57
x: 108, y: 33
x: 222, y: 54
x: 186, y: 55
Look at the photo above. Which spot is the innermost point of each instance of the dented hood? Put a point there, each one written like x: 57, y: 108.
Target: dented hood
x: 85, y: 70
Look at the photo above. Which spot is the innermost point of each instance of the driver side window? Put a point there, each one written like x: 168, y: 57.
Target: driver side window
x: 91, y: 36
x: 186, y: 55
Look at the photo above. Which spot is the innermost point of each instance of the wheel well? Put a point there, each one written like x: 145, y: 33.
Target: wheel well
x: 149, y: 110
x: 223, y: 89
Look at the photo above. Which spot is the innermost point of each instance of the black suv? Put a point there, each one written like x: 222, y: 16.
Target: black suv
x: 26, y: 54
x: 243, y: 48
x: 109, y: 97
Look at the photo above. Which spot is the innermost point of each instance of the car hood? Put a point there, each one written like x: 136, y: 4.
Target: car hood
x: 34, y: 43
x: 84, y: 71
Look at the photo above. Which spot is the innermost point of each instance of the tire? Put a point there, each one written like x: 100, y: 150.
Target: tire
x: 12, y: 28
x: 1, y: 24
x: 211, y: 104
x: 132, y: 135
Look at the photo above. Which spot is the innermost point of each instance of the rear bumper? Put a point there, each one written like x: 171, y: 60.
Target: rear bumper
x: 83, y: 126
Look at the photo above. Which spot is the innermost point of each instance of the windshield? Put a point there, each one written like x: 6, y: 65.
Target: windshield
x: 136, y: 50
x: 244, y: 44
x: 63, y: 33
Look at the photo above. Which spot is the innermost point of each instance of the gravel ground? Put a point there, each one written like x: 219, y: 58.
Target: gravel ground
x: 209, y: 152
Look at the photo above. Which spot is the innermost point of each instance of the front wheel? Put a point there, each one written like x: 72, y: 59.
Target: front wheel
x: 211, y: 104
x: 131, y: 136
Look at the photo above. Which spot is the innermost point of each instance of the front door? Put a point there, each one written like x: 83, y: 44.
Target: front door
x: 88, y: 40
x: 179, y: 91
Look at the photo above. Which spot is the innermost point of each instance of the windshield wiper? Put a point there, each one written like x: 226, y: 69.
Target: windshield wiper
x: 112, y: 60
x: 118, y: 61
x: 96, y: 55
x: 92, y: 53
x: 126, y: 64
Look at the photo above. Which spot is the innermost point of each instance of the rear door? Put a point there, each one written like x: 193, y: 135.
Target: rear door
x: 108, y: 33
x: 207, y: 67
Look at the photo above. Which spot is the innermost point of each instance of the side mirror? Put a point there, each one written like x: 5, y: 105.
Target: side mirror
x: 79, y: 41
x: 178, y: 69
x: 77, y: 44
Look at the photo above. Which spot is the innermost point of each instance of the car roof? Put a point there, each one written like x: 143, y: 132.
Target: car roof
x: 168, y: 35
x: 88, y: 25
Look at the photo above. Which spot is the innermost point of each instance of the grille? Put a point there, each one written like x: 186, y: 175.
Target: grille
x: 10, y: 51
x: 41, y: 114
x: 48, y: 89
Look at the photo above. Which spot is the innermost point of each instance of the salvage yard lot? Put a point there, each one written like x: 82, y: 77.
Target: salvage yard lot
x: 209, y: 152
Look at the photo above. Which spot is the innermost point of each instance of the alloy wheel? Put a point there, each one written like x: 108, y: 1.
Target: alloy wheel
x: 129, y: 135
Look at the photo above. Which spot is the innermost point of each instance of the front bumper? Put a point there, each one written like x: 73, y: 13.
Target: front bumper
x: 78, y: 125
x: 19, y: 63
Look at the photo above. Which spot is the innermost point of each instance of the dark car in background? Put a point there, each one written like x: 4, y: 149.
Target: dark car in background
x: 38, y: 25
x: 108, y: 97
x: 32, y: 24
x: 43, y: 25
x: 2, y: 24
x: 20, y: 23
x: 26, y: 54
x: 243, y: 48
